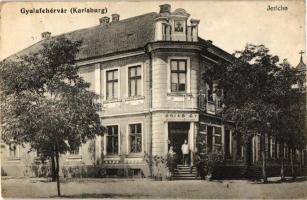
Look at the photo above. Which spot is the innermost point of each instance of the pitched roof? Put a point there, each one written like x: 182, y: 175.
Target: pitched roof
x: 104, y: 39
x: 114, y: 37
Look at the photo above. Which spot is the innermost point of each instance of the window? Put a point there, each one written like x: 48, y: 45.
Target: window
x: 210, y: 92
x: 274, y: 147
x: 166, y: 32
x: 218, y: 138
x: 13, y: 151
x: 227, y: 143
x: 75, y: 151
x: 112, y: 84
x: 239, y: 146
x: 209, y: 138
x: 135, y: 81
x: 178, y: 26
x: 135, y: 138
x: 201, y: 139
x: 178, y: 75
x: 259, y: 147
x: 112, y: 140
x: 267, y: 146
x: 219, y: 103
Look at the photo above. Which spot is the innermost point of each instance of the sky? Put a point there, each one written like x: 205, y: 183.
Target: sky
x: 229, y: 24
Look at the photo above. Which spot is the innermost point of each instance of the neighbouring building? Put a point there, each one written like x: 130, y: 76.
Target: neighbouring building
x: 147, y: 71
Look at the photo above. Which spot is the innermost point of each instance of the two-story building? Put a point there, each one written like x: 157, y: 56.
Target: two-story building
x: 147, y: 71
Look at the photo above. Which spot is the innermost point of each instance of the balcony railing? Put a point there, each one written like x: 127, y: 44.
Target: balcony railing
x: 211, y: 107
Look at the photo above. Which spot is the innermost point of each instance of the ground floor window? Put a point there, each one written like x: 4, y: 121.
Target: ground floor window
x: 112, y: 140
x: 239, y: 146
x: 13, y: 151
x: 213, y: 138
x: 75, y: 151
x: 218, y: 138
x: 135, y: 138
x: 273, y: 148
x: 209, y: 138
x: 227, y: 144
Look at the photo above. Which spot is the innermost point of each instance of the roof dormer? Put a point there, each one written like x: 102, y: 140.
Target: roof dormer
x: 173, y: 26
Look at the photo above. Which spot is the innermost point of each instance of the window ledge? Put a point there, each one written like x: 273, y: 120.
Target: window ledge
x: 74, y: 157
x: 135, y: 155
x: 134, y: 98
x: 111, y: 156
x: 39, y: 158
x: 112, y: 101
x: 13, y: 159
x: 179, y: 94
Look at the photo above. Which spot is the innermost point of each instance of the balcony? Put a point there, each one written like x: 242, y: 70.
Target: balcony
x: 211, y: 107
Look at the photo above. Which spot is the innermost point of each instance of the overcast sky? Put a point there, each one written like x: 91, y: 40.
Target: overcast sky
x: 229, y: 24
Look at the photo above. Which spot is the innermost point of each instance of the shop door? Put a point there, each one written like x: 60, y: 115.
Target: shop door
x: 177, y: 133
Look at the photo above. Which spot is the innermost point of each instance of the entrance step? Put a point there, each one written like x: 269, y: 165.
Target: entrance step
x: 185, y: 175
x: 186, y: 172
x: 185, y: 178
x: 183, y: 172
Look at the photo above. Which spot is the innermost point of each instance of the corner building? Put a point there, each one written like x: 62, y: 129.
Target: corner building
x: 151, y: 94
x: 147, y: 71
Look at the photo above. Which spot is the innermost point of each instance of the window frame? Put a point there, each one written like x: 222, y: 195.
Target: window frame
x: 178, y: 72
x: 227, y: 151
x: 106, y: 141
x: 188, y: 75
x: 76, y: 152
x: 128, y: 137
x: 106, y: 84
x: 183, y: 26
x: 128, y: 67
x: 17, y: 150
x: 74, y: 157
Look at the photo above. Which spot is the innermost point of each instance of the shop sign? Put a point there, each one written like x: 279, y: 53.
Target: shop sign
x: 181, y: 116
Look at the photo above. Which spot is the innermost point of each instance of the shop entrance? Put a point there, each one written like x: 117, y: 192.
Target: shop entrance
x: 177, y: 133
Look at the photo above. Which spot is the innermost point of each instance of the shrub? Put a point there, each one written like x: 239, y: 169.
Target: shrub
x: 206, y: 164
x: 84, y: 171
x: 160, y: 167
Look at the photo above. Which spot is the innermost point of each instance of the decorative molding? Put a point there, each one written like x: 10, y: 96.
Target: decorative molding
x: 108, y: 58
x: 124, y: 114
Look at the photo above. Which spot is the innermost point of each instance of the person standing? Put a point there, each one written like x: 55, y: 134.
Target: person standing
x: 171, y: 159
x: 185, y: 152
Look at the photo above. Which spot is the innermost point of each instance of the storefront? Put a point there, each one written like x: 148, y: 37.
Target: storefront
x: 176, y: 126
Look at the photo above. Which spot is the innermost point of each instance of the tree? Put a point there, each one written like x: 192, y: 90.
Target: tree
x: 46, y: 104
x: 248, y: 95
x: 288, y: 124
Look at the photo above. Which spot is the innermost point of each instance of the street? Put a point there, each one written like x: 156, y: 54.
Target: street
x: 146, y: 188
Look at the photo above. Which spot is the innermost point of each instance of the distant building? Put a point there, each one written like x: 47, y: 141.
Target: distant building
x: 301, y: 72
x: 147, y: 71
x: 301, y: 84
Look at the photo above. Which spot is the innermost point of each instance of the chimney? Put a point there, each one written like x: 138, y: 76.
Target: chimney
x: 194, y: 22
x: 115, y: 17
x: 46, y: 35
x: 104, y: 20
x: 165, y: 8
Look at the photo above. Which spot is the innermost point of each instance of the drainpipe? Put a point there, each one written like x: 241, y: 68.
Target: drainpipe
x: 150, y: 104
